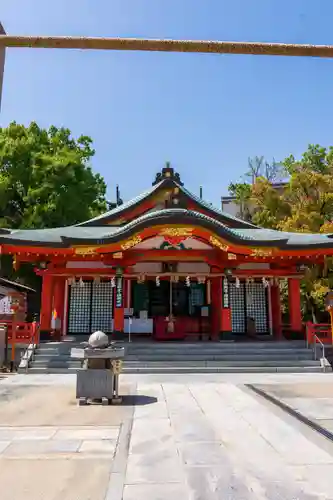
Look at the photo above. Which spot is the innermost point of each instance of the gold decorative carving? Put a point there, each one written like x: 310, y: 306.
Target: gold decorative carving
x: 261, y: 252
x: 131, y: 243
x: 85, y: 250
x: 186, y: 232
x: 232, y: 256
x: 217, y: 243
x: 118, y: 255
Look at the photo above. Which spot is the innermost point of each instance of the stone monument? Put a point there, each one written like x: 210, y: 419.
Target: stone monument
x: 98, y: 380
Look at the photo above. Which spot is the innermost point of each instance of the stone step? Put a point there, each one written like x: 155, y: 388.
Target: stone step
x: 187, y: 352
x: 43, y: 369
x: 56, y: 363
x: 223, y: 369
x: 192, y: 369
x: 280, y: 362
x: 198, y: 357
x: 63, y: 363
x: 228, y: 355
x: 195, y: 345
x: 181, y: 357
x: 214, y: 345
x: 159, y: 354
x: 226, y: 352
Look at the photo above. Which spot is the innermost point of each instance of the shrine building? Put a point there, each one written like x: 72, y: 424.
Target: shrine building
x: 168, y: 265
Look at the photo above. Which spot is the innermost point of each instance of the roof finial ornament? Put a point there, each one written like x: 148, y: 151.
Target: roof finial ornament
x: 167, y: 173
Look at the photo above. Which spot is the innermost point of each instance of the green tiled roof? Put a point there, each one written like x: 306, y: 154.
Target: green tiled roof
x: 98, y: 235
x: 116, y: 212
x: 213, y: 209
x: 55, y: 235
x: 121, y: 208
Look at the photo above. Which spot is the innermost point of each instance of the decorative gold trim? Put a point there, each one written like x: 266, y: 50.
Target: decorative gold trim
x: 217, y: 243
x: 186, y: 232
x: 85, y: 250
x: 131, y: 242
x: 261, y: 252
x: 118, y: 255
x: 232, y: 256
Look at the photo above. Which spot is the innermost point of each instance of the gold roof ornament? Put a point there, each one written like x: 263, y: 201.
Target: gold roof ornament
x: 177, y: 231
x: 85, y: 250
x: 131, y: 242
x: 217, y: 243
x: 261, y: 252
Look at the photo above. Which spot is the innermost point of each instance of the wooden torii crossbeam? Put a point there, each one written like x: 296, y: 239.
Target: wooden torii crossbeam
x: 141, y: 44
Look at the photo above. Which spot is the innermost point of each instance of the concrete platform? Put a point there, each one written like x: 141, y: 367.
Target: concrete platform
x: 189, y: 437
x: 312, y: 401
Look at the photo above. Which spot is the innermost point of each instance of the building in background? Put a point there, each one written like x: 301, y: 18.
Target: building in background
x: 9, y: 289
x: 231, y: 207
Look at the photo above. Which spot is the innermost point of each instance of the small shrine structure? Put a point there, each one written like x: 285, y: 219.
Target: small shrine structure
x: 168, y: 265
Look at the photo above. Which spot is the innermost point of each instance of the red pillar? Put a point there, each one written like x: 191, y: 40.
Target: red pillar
x: 216, y: 301
x: 118, y: 310
x: 276, y: 311
x: 59, y: 297
x: 46, y: 302
x: 294, y: 303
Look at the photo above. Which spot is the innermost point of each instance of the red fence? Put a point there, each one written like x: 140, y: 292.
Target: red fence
x: 25, y: 333
x: 323, y: 331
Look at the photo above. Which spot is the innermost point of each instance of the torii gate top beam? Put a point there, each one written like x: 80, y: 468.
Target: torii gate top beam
x: 198, y: 46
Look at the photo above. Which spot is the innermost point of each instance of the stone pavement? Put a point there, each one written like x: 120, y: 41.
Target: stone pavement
x: 193, y: 438
x: 312, y: 400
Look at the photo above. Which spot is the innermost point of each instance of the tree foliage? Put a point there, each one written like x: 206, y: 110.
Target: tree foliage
x: 304, y: 203
x: 46, y: 179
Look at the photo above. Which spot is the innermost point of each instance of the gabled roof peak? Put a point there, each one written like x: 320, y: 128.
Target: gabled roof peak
x: 167, y: 173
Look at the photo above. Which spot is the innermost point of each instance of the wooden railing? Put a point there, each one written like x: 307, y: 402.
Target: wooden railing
x: 25, y: 333
x: 318, y: 331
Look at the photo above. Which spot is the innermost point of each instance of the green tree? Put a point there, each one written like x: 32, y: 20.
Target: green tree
x: 303, y: 204
x: 259, y: 177
x: 46, y: 179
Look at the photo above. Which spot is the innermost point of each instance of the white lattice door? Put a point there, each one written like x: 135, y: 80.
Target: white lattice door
x: 256, y: 305
x: 237, y: 305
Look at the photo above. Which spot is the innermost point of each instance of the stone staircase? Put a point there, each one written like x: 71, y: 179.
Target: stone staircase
x: 181, y: 357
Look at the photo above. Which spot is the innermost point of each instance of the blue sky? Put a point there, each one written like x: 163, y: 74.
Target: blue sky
x: 205, y: 113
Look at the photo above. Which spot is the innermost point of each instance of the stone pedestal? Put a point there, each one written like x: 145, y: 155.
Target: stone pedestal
x: 98, y: 380
x: 95, y: 384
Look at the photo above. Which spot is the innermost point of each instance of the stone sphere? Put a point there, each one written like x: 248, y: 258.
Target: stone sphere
x: 98, y: 339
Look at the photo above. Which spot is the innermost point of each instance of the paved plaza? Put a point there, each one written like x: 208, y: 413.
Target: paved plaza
x: 190, y: 437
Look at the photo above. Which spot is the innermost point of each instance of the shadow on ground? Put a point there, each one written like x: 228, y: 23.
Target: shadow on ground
x: 138, y: 400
